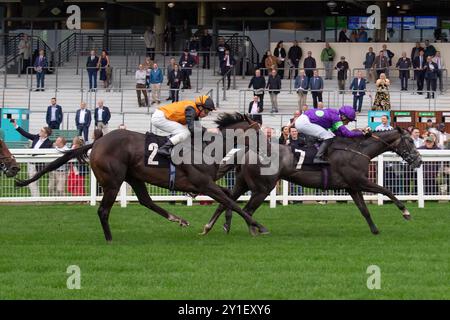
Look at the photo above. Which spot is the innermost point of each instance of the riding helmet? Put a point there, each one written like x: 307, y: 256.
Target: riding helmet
x: 348, y: 112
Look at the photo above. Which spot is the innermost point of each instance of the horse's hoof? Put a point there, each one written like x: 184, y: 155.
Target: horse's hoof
x: 205, y: 231
x: 226, y: 228
x: 184, y: 223
x: 375, y: 232
x: 108, y: 241
x: 263, y: 230
x: 254, y: 231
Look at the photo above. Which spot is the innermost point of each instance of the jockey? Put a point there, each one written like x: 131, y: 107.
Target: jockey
x: 316, y: 122
x: 178, y: 119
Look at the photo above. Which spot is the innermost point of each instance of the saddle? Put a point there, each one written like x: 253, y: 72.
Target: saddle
x: 153, y: 159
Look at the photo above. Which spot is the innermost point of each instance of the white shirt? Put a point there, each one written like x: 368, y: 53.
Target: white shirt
x: 82, y: 115
x: 254, y: 108
x: 100, y: 114
x: 438, y: 61
x: 418, y: 142
x: 53, y: 108
x: 383, y: 127
x: 39, y: 143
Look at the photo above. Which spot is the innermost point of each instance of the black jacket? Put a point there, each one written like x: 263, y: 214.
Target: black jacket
x: 105, y: 117
x: 257, y: 83
x: 206, y: 42
x: 309, y: 63
x: 342, y: 68
x: 92, y: 63
x: 431, y: 73
x: 47, y: 144
x: 174, y: 81
x: 87, y: 119
x: 260, y: 107
x: 274, y: 84
x: 295, y: 53
x: 59, y: 114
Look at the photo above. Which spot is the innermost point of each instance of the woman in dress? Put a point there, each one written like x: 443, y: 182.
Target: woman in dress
x: 103, y: 65
x: 382, y: 98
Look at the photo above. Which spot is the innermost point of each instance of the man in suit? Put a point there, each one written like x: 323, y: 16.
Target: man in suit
x: 316, y: 86
x: 309, y: 64
x: 40, y: 66
x: 92, y: 69
x: 358, y: 86
x: 102, y: 117
x: 39, y: 141
x: 389, y: 55
x: 431, y: 74
x: 255, y: 108
x: 301, y: 86
x: 381, y: 64
x: 225, y: 66
x: 404, y: 64
x: 54, y: 115
x: 440, y: 63
x: 83, y: 121
x: 419, y: 72
x: 294, y: 55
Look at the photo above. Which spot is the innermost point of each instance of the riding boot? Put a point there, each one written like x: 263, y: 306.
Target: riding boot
x: 166, y: 149
x: 319, y: 158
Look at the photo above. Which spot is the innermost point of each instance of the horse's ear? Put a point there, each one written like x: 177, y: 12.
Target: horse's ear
x: 247, y: 118
x: 399, y: 129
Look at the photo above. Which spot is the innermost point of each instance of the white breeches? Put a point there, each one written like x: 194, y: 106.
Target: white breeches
x: 179, y: 131
x: 304, y: 126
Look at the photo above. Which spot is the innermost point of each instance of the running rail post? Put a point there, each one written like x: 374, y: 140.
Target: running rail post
x: 123, y: 195
x: 273, y: 198
x: 93, y: 181
x: 380, y: 176
x: 285, y: 192
x: 420, y: 191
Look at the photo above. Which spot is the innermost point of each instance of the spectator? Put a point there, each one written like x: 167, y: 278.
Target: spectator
x: 362, y: 35
x: 431, y: 70
x: 185, y: 33
x: 270, y: 62
x: 280, y: 54
x: 77, y: 172
x: 419, y: 71
x: 274, y: 86
x: 141, y: 78
x: 102, y: 117
x: 39, y: 141
x: 442, y: 136
x: 174, y: 83
x: 255, y: 108
x: 150, y: 42
x: 368, y: 64
x: 221, y: 48
x: 382, y: 97
x: 415, y: 51
x: 169, y: 69
x: 225, y: 66
x: 316, y: 86
x: 358, y: 86
x: 156, y: 79
x: 294, y: 55
x: 206, y: 43
x: 294, y: 141
x: 327, y: 57
x: 258, y: 83
x: 380, y: 64
x: 194, y: 47
x: 169, y: 38
x: 57, y: 178
x: 354, y: 36
x: 384, y: 126
x: 294, y: 118
x: 105, y: 69
x: 83, y: 121
x: 40, y: 66
x: 187, y: 63
x: 441, y: 66
x: 430, y: 168
x: 25, y: 52
x: 320, y: 105
x: 404, y: 64
x: 284, y: 137
x: 389, y: 55
x: 429, y: 50
x: 54, y: 115
x: 301, y: 86
x: 415, y: 135
x: 343, y: 36
x: 92, y: 64
x: 429, y: 125
x: 342, y: 67
x: 309, y: 64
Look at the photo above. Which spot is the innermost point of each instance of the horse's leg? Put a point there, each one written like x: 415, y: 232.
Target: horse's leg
x: 359, y: 201
x: 375, y: 188
x: 236, y: 192
x: 214, y: 191
x: 109, y: 197
x: 145, y: 200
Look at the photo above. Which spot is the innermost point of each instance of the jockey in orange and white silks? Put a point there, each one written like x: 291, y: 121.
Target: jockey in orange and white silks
x: 178, y: 119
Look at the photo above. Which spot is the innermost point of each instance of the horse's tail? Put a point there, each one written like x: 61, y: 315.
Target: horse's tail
x: 80, y: 154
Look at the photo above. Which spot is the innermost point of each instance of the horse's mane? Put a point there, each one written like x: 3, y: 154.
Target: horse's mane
x: 227, y: 119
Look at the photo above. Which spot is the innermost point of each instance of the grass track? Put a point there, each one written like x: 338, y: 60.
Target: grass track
x: 313, y: 252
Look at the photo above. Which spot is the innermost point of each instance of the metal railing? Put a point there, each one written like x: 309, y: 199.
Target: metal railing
x: 429, y: 182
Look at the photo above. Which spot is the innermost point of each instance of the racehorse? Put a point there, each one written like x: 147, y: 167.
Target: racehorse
x: 348, y: 161
x: 120, y: 156
x: 8, y: 164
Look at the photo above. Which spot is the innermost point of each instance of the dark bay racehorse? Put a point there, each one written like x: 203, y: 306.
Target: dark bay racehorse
x: 8, y: 163
x: 349, y: 163
x: 119, y: 156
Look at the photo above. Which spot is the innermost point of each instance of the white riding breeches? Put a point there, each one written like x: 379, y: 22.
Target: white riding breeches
x: 180, y: 132
x: 305, y: 126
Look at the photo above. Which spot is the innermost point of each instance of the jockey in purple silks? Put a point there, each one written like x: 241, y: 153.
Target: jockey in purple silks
x: 325, y: 124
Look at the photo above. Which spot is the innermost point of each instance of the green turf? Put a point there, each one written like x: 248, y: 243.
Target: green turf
x: 313, y: 252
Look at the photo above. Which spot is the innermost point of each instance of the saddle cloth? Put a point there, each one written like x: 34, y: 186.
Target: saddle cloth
x: 153, y: 159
